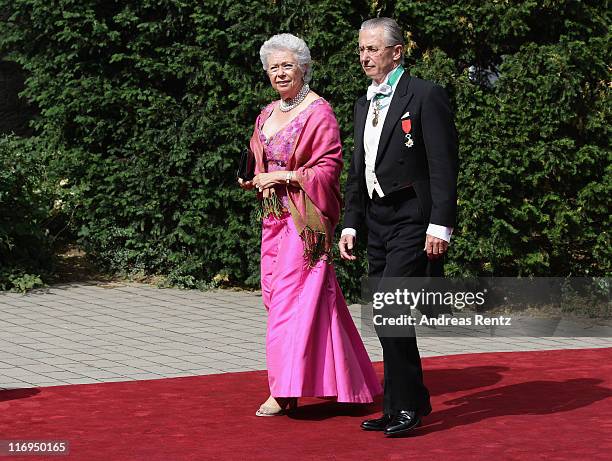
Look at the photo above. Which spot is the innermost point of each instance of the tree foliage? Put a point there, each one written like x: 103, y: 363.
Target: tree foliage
x: 151, y: 101
x: 30, y: 201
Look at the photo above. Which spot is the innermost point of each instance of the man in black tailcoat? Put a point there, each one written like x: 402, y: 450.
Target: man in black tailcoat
x: 402, y: 185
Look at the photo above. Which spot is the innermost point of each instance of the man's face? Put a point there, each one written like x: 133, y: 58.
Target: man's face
x: 377, y: 64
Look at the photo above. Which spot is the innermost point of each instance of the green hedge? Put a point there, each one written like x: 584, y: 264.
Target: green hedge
x: 151, y: 102
x: 30, y: 201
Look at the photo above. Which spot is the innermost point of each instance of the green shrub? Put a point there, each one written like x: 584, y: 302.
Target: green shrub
x: 151, y: 101
x: 16, y: 280
x: 28, y: 204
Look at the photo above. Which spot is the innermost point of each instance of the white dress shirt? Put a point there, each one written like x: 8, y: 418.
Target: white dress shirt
x: 371, y: 138
x: 371, y: 135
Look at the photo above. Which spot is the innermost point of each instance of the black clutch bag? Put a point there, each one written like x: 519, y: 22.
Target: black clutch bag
x: 246, y: 167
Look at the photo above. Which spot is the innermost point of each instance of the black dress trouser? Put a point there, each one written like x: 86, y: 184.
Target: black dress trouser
x: 396, y: 238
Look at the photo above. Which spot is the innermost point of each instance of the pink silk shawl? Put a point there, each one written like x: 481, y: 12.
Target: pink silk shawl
x: 317, y: 162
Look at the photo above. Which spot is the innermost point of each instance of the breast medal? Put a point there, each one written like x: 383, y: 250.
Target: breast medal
x: 407, y: 127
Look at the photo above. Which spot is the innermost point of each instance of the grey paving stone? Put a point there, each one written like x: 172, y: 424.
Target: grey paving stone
x: 7, y: 385
x: 85, y: 380
x: 204, y: 371
x: 143, y: 376
x: 124, y: 332
x: 40, y: 368
x: 62, y: 375
x: 100, y: 374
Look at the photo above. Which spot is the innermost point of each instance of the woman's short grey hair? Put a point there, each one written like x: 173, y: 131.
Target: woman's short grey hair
x: 288, y: 42
x: 392, y: 31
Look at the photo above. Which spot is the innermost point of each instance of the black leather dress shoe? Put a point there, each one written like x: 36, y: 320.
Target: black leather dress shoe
x: 378, y: 424
x: 403, y: 422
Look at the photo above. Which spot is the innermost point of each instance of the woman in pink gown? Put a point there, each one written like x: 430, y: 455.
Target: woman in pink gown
x: 312, y: 345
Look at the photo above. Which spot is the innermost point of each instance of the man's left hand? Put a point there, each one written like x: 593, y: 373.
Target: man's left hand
x: 435, y: 247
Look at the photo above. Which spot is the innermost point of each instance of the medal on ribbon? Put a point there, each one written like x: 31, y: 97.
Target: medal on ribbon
x: 407, y: 127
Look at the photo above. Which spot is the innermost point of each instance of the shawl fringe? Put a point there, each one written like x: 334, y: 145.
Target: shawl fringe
x: 270, y: 205
x: 315, y: 246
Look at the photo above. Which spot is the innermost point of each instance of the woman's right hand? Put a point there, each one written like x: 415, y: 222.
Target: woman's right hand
x: 246, y: 185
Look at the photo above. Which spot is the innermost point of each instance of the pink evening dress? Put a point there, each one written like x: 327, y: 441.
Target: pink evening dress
x: 312, y: 345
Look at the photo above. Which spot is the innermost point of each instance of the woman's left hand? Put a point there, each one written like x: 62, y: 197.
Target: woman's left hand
x: 265, y: 180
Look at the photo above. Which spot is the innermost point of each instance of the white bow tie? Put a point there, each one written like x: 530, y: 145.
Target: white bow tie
x: 383, y: 89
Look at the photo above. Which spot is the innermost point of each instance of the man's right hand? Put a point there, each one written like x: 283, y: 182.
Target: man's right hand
x: 346, y: 245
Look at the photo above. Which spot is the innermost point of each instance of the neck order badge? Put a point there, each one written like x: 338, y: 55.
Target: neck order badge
x: 395, y: 75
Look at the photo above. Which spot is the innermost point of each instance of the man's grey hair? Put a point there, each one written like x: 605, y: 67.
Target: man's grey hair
x: 392, y: 31
x: 288, y: 42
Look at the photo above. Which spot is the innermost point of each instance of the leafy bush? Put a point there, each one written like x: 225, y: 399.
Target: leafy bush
x: 151, y: 101
x: 535, y: 183
x: 16, y: 280
x: 27, y: 201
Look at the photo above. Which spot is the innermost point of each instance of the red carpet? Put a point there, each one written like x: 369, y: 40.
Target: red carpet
x: 552, y: 405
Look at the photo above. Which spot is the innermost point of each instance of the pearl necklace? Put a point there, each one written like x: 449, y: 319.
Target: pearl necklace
x: 287, y: 105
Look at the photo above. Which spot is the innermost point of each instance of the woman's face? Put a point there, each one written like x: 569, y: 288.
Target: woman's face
x: 285, y: 74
